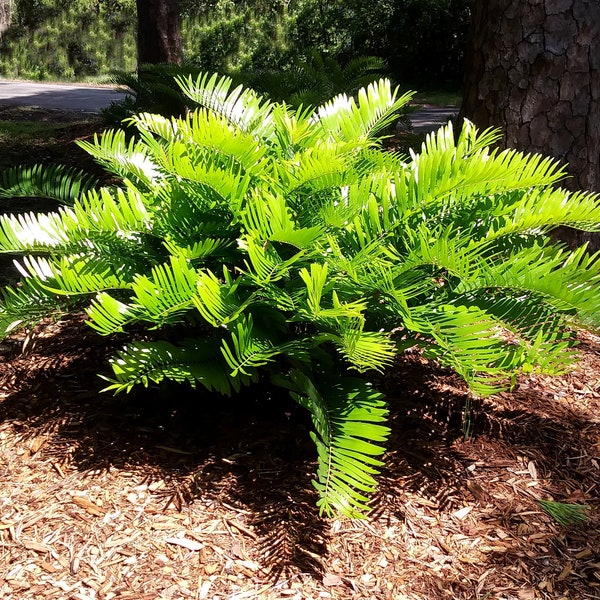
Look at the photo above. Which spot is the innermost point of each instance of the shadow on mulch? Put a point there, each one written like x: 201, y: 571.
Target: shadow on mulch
x: 57, y: 145
x: 254, y: 451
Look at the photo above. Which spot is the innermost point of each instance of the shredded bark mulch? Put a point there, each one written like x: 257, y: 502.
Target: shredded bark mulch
x: 168, y: 493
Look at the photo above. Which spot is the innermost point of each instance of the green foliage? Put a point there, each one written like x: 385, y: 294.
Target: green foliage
x: 53, y: 182
x: 312, y: 79
x: 66, y: 40
x: 256, y: 241
x: 308, y: 81
x: 566, y: 514
x: 419, y: 40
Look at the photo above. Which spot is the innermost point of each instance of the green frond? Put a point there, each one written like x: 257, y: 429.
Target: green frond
x: 185, y: 212
x: 535, y: 326
x: 211, y: 133
x: 71, y: 275
x: 167, y: 294
x: 321, y: 167
x: 248, y: 351
x: 265, y: 265
x: 53, y: 182
x: 566, y: 514
x: 130, y: 160
x: 97, y: 212
x: 316, y: 281
x: 243, y: 108
x: 366, y: 350
x: 107, y: 210
x: 446, y: 172
x: 217, y: 301
x: 30, y: 232
x: 195, y: 361
x: 377, y: 108
x: 109, y: 315
x: 199, y: 250
x: 348, y: 420
x: 26, y: 304
x: 540, y: 211
x: 470, y: 341
x: 564, y: 281
x: 267, y: 217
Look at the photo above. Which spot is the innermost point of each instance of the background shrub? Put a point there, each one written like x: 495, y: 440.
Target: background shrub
x: 419, y: 40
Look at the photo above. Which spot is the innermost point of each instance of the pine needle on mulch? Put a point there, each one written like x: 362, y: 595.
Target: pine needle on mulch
x: 164, y: 494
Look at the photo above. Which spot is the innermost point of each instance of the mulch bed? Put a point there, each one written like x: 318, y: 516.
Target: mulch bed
x: 169, y: 494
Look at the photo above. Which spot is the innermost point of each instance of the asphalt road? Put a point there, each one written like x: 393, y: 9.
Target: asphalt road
x: 58, y: 96
x: 90, y: 99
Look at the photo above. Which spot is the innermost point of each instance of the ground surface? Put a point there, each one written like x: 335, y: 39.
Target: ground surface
x: 167, y: 495
x: 58, y: 96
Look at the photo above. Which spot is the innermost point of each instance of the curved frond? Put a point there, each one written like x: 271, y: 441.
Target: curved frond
x: 244, y: 108
x: 377, y: 107
x: 167, y: 294
x: 130, y: 159
x: 348, y: 420
x: 53, y: 182
x: 194, y: 362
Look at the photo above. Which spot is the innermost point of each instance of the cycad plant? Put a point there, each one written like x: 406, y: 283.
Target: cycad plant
x: 282, y: 244
x: 313, y: 78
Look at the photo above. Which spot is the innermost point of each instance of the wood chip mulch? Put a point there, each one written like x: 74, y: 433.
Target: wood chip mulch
x: 163, y: 494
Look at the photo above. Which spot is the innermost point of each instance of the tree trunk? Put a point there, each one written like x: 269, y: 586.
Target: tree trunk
x: 6, y: 12
x: 534, y: 70
x: 159, y: 31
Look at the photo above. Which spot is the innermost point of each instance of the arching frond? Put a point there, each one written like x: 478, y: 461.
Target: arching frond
x: 348, y: 419
x: 167, y: 293
x: 195, y: 361
x: 247, y: 351
x: 53, y: 182
x: 130, y: 160
x: 365, y: 350
x: 109, y: 315
x: 377, y: 107
x: 217, y: 301
x: 243, y: 108
x: 71, y: 275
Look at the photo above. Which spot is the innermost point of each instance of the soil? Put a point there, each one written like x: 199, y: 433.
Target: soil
x: 170, y: 494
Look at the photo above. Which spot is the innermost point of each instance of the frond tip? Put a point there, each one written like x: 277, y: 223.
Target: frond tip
x: 349, y: 429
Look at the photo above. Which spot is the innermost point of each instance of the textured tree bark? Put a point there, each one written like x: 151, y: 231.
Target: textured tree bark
x: 159, y: 31
x: 533, y: 69
x: 6, y: 12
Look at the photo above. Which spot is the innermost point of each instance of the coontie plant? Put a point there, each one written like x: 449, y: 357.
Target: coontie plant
x: 288, y: 244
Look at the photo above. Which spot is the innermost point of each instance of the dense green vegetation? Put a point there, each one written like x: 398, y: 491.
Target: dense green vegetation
x: 420, y: 40
x: 252, y: 242
x: 80, y: 39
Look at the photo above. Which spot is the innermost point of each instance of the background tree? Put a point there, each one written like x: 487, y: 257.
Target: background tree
x: 6, y: 10
x: 159, y: 31
x: 533, y: 69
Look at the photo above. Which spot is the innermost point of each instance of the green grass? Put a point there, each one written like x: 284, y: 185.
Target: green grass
x: 30, y: 135
x: 26, y: 130
x: 439, y: 97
